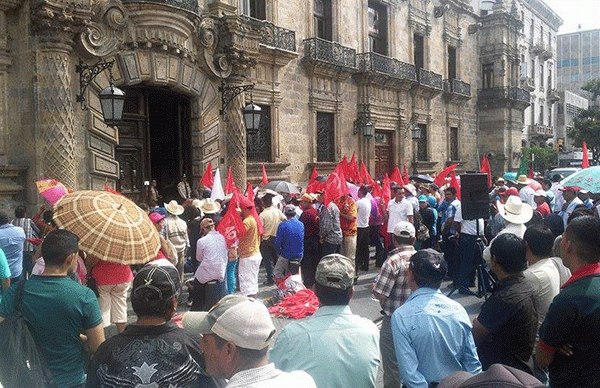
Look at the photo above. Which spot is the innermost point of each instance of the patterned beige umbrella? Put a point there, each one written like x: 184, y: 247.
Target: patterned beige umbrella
x: 110, y: 227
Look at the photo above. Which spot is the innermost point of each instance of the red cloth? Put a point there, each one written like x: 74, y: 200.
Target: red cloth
x: 454, y: 183
x: 440, y: 179
x: 405, y: 174
x: 315, y: 174
x: 208, y: 178
x: 250, y: 194
x: 353, y: 174
x: 265, y: 180
x: 230, y: 185
x: 298, y: 305
x: 364, y: 175
x: 107, y: 273
x: 334, y: 188
x: 585, y: 161
x: 231, y: 225
x: 485, y: 167
x: 386, y: 192
x: 396, y: 177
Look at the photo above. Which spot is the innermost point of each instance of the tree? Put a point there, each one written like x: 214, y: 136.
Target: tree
x: 545, y: 158
x: 593, y: 86
x: 587, y: 127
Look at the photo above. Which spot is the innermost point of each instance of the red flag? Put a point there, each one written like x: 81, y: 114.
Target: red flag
x: 231, y: 226
x: 386, y: 191
x: 405, y: 174
x: 342, y: 168
x: 315, y: 174
x: 110, y: 189
x: 485, y: 167
x: 585, y: 161
x: 250, y: 196
x: 208, y: 178
x: 315, y: 186
x: 230, y: 184
x: 364, y: 175
x: 353, y: 175
x: 396, y: 177
x: 334, y: 188
x: 376, y: 192
x: 454, y: 183
x: 440, y: 179
x: 265, y: 180
x: 530, y: 172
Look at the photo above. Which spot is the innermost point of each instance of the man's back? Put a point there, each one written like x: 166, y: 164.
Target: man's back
x: 57, y: 310
x: 290, y: 239
x: 12, y: 239
x: 162, y: 355
x: 271, y: 217
x: 432, y: 337
x: 574, y: 319
x: 545, y: 280
x: 335, y: 347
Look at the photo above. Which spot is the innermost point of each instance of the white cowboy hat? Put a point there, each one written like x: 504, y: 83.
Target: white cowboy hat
x: 515, y: 210
x: 411, y: 189
x: 174, y: 208
x: 523, y: 180
x: 209, y: 206
x: 262, y: 193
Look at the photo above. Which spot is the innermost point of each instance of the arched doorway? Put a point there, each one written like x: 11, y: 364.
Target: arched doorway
x: 154, y: 142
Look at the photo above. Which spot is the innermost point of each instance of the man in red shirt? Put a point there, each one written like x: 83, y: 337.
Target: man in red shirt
x: 542, y: 205
x: 310, y: 219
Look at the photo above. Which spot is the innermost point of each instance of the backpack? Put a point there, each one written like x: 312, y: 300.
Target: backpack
x: 422, y: 231
x: 21, y: 364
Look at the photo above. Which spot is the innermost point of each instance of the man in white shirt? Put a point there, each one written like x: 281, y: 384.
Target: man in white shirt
x: 363, y: 212
x: 526, y: 193
x: 211, y: 253
x: 399, y: 209
x: 468, y: 252
x: 515, y: 214
x: 569, y: 194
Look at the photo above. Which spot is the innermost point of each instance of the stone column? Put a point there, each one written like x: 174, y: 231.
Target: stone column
x: 55, y: 118
x: 236, y: 141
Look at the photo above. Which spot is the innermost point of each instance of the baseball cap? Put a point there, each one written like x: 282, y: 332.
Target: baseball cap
x: 154, y: 283
x: 422, y: 198
x: 206, y: 222
x: 289, y: 210
x: 245, y: 203
x: 244, y: 321
x: 335, y: 271
x: 156, y: 217
x: 429, y: 264
x: 404, y: 229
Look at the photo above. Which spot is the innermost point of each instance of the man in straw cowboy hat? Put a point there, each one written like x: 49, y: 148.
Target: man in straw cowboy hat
x: 175, y: 230
x: 515, y: 214
x: 526, y: 193
x: 236, y: 334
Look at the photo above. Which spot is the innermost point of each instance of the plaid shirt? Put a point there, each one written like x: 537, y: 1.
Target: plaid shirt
x: 30, y: 230
x: 329, y: 224
x: 391, y: 281
x: 448, y: 210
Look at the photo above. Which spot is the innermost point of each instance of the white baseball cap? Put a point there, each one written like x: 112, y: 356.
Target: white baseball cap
x: 404, y: 229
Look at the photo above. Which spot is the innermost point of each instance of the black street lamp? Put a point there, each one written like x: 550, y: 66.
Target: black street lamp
x: 252, y: 112
x: 416, y: 136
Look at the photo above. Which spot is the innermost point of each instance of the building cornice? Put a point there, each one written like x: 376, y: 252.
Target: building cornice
x: 541, y: 10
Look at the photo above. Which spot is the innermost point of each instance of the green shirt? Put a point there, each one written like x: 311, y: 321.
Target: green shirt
x: 4, y: 269
x: 57, y: 310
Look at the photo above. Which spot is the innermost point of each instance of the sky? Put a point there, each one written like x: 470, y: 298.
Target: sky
x: 575, y: 12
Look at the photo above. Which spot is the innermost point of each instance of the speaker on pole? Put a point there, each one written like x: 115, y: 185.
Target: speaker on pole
x: 474, y: 197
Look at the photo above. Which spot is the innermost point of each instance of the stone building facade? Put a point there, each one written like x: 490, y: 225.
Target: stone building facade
x: 321, y: 69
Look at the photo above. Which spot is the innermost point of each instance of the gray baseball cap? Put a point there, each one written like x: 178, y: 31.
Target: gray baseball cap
x: 335, y: 271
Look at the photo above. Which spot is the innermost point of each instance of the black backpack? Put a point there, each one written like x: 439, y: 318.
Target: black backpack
x: 21, y: 364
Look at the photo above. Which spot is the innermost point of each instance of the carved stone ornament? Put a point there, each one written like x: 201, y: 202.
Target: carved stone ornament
x: 51, y: 16
x: 105, y: 32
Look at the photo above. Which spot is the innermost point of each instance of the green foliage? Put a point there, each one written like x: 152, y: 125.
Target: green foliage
x: 593, y: 86
x: 587, y: 127
x: 545, y: 158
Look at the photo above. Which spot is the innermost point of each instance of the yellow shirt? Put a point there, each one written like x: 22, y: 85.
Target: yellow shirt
x: 271, y: 217
x: 249, y: 241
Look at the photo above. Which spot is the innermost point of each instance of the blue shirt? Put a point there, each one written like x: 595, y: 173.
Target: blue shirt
x: 4, y: 270
x: 11, y: 242
x: 432, y: 337
x: 334, y: 346
x: 289, y: 240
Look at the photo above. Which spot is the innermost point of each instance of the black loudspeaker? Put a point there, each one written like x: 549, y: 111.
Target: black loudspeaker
x: 474, y: 198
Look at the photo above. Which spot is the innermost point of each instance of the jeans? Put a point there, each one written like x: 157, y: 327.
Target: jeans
x: 467, y: 257
x: 206, y: 295
x: 380, y: 253
x: 362, y: 248
x: 269, y: 255
x: 231, y: 276
x: 448, y: 247
x: 329, y: 248
x: 310, y: 260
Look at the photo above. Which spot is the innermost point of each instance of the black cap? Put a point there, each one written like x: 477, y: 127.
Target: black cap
x: 428, y: 264
x: 154, y: 282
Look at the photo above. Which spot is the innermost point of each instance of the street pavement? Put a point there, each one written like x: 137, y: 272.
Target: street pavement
x: 362, y: 303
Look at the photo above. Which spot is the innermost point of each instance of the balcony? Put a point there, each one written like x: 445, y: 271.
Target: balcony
x: 456, y: 90
x: 527, y: 83
x: 541, y: 48
x: 504, y: 97
x: 553, y: 95
x: 273, y: 36
x: 541, y: 131
x: 380, y: 70
x: 430, y: 82
x: 329, y: 59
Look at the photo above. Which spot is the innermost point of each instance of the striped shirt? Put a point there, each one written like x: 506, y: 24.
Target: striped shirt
x: 30, y: 230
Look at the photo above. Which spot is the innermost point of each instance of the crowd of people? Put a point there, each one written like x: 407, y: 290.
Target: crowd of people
x: 538, y: 327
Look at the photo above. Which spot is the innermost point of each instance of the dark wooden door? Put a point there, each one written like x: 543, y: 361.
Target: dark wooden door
x: 384, y: 153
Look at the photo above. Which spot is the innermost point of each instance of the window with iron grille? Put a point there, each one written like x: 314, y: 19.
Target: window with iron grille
x: 377, y: 28
x: 422, y: 144
x: 325, y: 137
x: 451, y: 62
x: 258, y: 144
x: 254, y: 8
x: 454, y: 143
x: 323, y: 24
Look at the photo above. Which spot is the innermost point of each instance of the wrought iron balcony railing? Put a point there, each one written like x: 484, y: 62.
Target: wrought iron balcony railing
x: 317, y: 49
x: 274, y: 36
x: 431, y: 79
x: 506, y: 93
x: 457, y: 87
x: 541, y: 130
x: 520, y: 95
x: 376, y: 63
